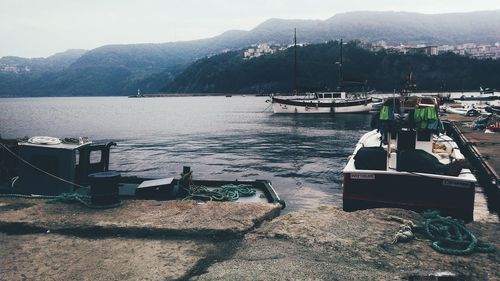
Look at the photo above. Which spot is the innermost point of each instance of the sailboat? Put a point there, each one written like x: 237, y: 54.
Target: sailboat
x: 321, y: 102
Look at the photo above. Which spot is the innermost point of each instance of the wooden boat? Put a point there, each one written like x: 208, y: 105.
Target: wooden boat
x: 321, y: 102
x: 328, y: 102
x: 406, y: 165
x: 53, y: 167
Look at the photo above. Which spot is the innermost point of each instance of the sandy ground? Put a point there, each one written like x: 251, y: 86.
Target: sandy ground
x: 219, y: 242
x: 136, y: 217
x: 58, y: 257
x: 329, y: 244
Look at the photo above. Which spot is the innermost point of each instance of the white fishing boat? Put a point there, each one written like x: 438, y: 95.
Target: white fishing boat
x: 463, y: 110
x: 408, y: 163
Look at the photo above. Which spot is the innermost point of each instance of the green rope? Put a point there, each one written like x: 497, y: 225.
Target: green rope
x: 451, y: 236
x: 64, y: 198
x: 228, y: 192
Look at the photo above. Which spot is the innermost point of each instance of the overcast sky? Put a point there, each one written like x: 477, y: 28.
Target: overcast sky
x: 39, y: 28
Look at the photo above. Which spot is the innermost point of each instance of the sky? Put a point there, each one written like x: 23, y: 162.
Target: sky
x: 40, y: 28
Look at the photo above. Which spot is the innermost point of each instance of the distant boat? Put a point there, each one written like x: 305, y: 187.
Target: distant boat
x: 322, y: 102
x: 486, y: 91
x: 485, y: 94
x: 325, y: 102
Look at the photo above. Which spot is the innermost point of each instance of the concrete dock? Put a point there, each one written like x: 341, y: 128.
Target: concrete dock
x: 188, y: 240
x: 482, y: 150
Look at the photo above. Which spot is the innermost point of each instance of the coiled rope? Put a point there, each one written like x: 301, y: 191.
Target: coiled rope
x: 228, y: 192
x: 450, y: 236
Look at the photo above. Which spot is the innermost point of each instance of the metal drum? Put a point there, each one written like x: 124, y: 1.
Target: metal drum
x: 104, y: 188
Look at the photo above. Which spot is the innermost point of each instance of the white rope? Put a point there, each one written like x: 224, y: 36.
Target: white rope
x: 44, y: 140
x: 38, y: 169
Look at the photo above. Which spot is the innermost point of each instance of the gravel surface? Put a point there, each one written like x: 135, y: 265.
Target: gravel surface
x: 184, y: 240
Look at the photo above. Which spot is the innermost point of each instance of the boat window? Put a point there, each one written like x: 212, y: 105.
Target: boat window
x: 320, y: 96
x: 328, y: 96
x: 336, y: 95
x: 95, y: 157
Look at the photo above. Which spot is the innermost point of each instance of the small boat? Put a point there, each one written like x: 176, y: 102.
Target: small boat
x: 484, y: 95
x: 409, y: 163
x: 465, y: 108
x: 51, y: 167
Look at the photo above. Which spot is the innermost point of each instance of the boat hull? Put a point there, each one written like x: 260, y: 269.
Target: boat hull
x: 315, y: 106
x: 363, y: 190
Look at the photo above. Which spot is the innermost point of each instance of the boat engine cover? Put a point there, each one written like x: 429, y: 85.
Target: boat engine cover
x: 420, y: 161
x: 371, y: 158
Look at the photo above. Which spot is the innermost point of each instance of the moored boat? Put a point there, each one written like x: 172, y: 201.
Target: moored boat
x: 322, y: 102
x: 409, y: 163
x: 50, y: 167
x: 328, y: 102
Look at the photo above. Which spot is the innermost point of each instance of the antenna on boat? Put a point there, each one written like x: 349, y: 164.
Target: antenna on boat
x: 295, y: 61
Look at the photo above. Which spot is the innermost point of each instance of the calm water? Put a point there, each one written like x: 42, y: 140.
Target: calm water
x: 219, y: 137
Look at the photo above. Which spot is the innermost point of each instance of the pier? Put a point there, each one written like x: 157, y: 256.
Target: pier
x: 482, y: 150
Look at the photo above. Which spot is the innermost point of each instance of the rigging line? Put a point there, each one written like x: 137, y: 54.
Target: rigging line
x: 267, y: 108
x: 38, y: 169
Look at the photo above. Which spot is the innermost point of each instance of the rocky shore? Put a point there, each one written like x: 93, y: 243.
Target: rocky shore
x: 186, y: 240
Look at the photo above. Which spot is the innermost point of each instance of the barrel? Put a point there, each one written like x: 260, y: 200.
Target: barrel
x: 104, y: 188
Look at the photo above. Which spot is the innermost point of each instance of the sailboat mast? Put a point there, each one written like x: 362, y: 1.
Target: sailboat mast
x: 341, y: 78
x: 295, y: 61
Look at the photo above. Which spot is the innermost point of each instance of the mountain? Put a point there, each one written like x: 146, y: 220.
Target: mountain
x: 383, y: 71
x: 56, y: 62
x: 122, y: 69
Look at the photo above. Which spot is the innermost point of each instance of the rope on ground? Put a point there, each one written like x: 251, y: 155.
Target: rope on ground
x: 405, y: 232
x: 451, y: 236
x: 448, y: 235
x: 64, y: 198
x: 228, y: 192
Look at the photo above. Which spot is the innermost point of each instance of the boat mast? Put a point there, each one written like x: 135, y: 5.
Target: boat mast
x: 341, y: 78
x: 295, y: 61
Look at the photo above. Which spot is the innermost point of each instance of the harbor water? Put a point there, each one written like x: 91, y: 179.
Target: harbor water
x: 219, y: 137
